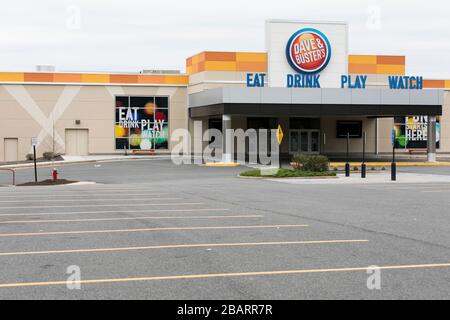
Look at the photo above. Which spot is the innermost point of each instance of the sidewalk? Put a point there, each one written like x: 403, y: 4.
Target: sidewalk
x: 83, y: 159
x: 372, y: 178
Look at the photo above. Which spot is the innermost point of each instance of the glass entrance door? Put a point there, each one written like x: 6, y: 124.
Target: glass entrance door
x: 304, y: 141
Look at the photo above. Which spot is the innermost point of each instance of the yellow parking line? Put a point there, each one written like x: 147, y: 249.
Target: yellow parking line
x: 224, y: 275
x: 184, y: 246
x: 6, y: 235
x: 134, y: 218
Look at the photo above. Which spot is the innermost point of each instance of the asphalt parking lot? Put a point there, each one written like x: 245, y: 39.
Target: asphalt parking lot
x: 152, y: 230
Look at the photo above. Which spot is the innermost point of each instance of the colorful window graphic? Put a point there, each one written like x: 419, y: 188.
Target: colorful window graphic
x: 412, y: 132
x: 142, y: 123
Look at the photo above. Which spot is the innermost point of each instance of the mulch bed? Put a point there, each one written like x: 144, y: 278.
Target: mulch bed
x: 47, y: 183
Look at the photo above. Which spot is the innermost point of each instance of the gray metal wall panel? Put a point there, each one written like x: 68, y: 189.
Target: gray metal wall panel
x: 394, y: 97
x: 244, y: 95
x: 318, y: 97
x: 206, y: 98
x: 306, y: 96
x: 424, y: 97
x: 336, y: 96
x: 367, y: 96
x: 276, y: 95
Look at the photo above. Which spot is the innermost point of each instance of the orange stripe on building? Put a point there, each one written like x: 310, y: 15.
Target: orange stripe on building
x: 119, y: 78
x: 152, y: 79
x: 227, y: 62
x: 387, y: 69
x: 220, y: 65
x: 447, y: 84
x: 38, y: 77
x: 434, y: 84
x: 67, y: 77
x: 381, y: 65
x: 251, y: 66
x: 362, y: 68
x: 12, y: 77
x: 362, y: 60
x: 177, y: 80
x: 95, y: 78
x: 220, y: 56
x: 391, y: 60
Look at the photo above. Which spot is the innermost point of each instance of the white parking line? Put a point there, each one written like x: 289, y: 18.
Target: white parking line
x: 134, y: 218
x: 86, y: 200
x: 113, y: 212
x: 106, y: 205
x: 15, y: 191
x: 185, y: 246
x: 78, y: 195
x: 62, y: 233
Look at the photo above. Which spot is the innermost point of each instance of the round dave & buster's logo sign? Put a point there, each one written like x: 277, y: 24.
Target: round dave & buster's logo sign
x: 308, y: 51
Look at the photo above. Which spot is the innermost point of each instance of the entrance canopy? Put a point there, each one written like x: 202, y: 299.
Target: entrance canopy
x: 376, y: 102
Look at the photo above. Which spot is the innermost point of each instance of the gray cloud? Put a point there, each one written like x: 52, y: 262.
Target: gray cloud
x: 135, y: 34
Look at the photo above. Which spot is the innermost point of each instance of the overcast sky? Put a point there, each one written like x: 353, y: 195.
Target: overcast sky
x: 130, y: 35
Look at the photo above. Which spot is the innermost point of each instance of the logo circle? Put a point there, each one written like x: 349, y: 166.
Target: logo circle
x: 308, y: 51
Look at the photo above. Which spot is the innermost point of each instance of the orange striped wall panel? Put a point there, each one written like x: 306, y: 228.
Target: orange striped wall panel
x: 227, y: 61
x: 380, y: 65
x: 436, y: 84
x: 84, y: 78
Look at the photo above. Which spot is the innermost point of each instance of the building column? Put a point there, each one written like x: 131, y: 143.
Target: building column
x: 227, y: 153
x: 431, y: 139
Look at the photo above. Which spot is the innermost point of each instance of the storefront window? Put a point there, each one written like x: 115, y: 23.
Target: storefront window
x: 142, y: 123
x: 412, y: 132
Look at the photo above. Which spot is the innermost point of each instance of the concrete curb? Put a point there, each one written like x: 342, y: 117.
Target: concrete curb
x: 388, y: 164
x: 223, y: 165
x: 45, y: 164
x: 287, y: 178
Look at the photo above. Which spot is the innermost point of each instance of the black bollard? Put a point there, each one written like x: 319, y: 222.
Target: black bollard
x: 393, y: 166
x: 363, y: 166
x: 394, y: 171
x: 347, y: 165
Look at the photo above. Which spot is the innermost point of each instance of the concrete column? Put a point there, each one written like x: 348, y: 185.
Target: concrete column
x: 431, y: 137
x: 227, y: 153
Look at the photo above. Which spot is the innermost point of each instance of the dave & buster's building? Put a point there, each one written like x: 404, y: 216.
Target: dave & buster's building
x: 306, y: 81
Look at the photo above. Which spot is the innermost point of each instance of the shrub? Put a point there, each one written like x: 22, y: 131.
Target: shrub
x: 49, y: 156
x: 286, y: 173
x: 310, y: 163
x: 30, y: 157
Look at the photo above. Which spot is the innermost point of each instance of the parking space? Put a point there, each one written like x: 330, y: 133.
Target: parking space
x: 206, y: 237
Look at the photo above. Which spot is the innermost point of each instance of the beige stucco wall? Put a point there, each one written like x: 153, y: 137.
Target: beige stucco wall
x: 336, y: 145
x: 216, y: 79
x: 26, y: 108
